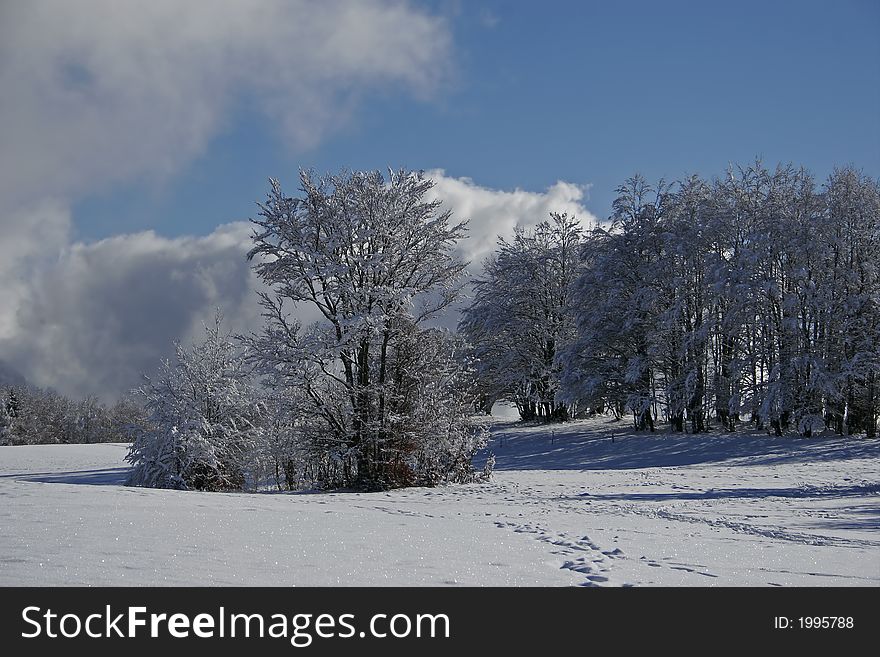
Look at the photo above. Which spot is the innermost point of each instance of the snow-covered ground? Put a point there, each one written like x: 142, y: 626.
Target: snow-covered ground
x: 567, y: 506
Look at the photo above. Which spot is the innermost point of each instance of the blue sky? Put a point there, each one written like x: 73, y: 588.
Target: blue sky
x: 587, y: 92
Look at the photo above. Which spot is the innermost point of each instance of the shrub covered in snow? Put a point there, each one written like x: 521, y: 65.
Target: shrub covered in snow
x: 203, y: 419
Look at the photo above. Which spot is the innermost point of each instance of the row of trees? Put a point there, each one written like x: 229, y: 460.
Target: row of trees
x: 751, y: 297
x: 34, y: 416
x: 365, y: 397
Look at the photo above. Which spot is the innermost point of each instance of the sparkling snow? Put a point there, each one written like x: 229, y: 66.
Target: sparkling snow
x: 566, y: 506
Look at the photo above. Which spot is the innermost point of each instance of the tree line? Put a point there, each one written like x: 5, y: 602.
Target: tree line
x: 750, y: 299
x: 35, y: 416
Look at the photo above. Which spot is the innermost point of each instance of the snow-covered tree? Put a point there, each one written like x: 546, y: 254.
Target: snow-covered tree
x: 618, y: 301
x: 124, y: 419
x: 852, y: 304
x: 13, y: 406
x: 203, y: 419
x: 376, y: 260
x: 6, y: 437
x: 37, y: 416
x: 431, y: 437
x: 519, y: 317
x: 755, y: 294
x: 689, y: 250
x: 40, y: 416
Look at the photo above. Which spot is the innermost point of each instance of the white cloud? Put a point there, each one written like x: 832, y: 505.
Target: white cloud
x: 30, y: 239
x: 102, y: 90
x: 493, y: 213
x: 103, y: 313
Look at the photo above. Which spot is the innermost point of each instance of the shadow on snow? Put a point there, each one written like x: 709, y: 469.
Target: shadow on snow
x: 102, y: 477
x: 588, y: 445
x: 737, y: 493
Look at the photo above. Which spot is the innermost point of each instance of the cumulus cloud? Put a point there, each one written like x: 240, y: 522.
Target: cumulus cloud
x: 30, y: 239
x: 105, y: 312
x: 493, y: 213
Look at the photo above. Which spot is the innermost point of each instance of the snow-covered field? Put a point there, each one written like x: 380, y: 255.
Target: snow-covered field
x: 567, y: 506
